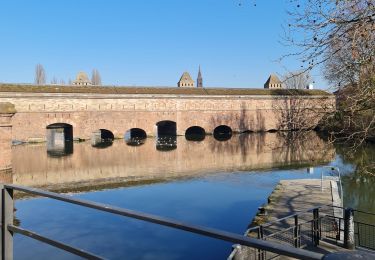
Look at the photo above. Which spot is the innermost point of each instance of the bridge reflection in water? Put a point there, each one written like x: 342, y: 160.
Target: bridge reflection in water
x: 89, y: 168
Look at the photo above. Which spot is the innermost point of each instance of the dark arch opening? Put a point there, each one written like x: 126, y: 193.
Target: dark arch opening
x: 106, y: 135
x: 195, y: 133
x: 166, y: 128
x: 59, y: 139
x: 222, y: 133
x: 272, y: 131
x: 135, y: 136
x: 166, y: 135
x: 102, y: 138
x: 62, y: 130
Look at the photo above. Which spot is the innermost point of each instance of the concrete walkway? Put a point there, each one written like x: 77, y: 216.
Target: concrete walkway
x: 290, y: 197
x: 293, y: 196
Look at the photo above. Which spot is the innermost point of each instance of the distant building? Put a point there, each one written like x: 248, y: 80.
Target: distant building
x: 82, y: 80
x: 185, y: 81
x: 199, y: 79
x: 273, y: 82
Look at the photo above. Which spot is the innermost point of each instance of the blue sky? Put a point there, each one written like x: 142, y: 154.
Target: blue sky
x: 144, y: 42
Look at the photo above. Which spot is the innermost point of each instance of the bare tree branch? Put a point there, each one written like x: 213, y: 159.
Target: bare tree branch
x: 339, y: 37
x: 40, y: 75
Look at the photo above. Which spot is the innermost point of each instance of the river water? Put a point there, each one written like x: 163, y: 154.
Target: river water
x: 213, y: 183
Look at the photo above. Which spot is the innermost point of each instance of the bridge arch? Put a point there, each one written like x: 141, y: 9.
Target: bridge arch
x: 166, y: 135
x: 59, y: 139
x: 63, y: 130
x: 102, y: 138
x: 135, y: 136
x: 106, y: 135
x: 222, y: 133
x: 166, y: 128
x: 195, y: 133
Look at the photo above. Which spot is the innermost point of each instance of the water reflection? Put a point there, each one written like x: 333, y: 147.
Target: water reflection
x: 227, y: 200
x: 222, y: 133
x: 359, y: 177
x: 102, y: 144
x: 119, y: 163
x: 166, y: 143
x: 61, y: 149
x: 195, y: 133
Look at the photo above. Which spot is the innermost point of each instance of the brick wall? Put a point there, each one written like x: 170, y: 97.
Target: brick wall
x: 121, y: 112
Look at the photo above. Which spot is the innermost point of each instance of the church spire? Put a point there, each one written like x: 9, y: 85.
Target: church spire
x: 199, y: 78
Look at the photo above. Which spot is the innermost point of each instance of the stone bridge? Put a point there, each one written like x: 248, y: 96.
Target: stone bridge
x: 158, y: 111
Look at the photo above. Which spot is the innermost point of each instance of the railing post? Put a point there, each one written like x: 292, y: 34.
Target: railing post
x: 296, y: 232
x: 316, y: 231
x: 7, y: 208
x: 349, y: 242
x: 262, y: 253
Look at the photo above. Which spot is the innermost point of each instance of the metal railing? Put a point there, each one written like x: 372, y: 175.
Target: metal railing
x: 8, y: 228
x: 364, y: 229
x: 333, y: 174
x: 306, y: 229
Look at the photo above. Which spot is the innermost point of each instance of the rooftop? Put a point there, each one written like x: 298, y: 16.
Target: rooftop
x: 186, y: 77
x: 273, y: 79
x: 156, y: 90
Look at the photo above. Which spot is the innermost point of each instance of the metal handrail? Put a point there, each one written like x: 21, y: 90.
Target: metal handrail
x: 209, y: 232
x: 337, y: 169
x: 52, y: 242
x: 364, y: 212
x: 270, y: 223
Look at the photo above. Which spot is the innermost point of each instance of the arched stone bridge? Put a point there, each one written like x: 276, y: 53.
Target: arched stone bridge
x: 159, y: 110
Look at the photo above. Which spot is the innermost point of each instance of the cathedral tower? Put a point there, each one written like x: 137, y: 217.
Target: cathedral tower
x: 199, y: 79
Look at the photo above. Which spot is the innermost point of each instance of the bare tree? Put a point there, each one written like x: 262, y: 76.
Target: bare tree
x: 95, y: 78
x: 70, y: 82
x: 62, y: 82
x: 54, y: 81
x: 40, y: 75
x: 339, y: 37
x: 298, y: 112
x: 297, y: 80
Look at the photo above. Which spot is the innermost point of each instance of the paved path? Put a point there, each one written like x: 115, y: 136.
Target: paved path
x: 289, y: 197
x: 292, y: 196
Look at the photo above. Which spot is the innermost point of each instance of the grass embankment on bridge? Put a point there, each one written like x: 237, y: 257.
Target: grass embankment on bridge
x: 158, y: 90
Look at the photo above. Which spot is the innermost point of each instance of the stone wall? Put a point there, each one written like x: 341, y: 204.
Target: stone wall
x: 6, y: 112
x: 121, y: 112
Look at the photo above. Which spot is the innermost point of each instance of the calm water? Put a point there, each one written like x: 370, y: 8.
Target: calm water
x: 210, y: 183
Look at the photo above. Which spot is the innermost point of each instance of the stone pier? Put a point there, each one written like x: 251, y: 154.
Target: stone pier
x: 7, y: 111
